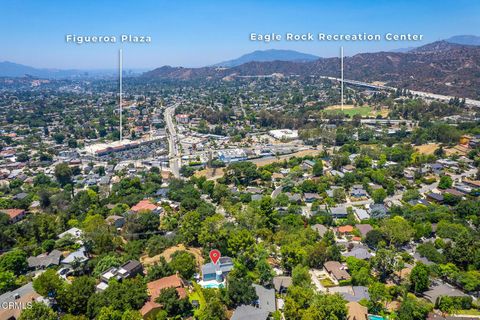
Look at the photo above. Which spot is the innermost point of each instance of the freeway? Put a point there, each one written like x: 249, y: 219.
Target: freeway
x: 428, y: 95
x: 173, y: 152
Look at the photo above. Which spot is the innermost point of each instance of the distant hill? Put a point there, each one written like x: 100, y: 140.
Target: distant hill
x: 10, y: 69
x: 403, y: 49
x: 468, y: 40
x: 15, y: 70
x: 268, y: 55
x: 440, y: 67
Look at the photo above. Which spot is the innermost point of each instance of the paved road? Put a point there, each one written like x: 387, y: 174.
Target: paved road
x: 173, y: 152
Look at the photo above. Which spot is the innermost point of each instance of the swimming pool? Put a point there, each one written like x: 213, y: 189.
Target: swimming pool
x: 374, y: 317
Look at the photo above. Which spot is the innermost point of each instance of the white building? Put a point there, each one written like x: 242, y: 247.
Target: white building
x: 285, y: 134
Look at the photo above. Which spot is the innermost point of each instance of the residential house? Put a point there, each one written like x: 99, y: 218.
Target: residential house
x: 307, y: 164
x: 418, y: 201
x: 463, y: 188
x: 154, y: 288
x: 145, y: 205
x: 320, y: 228
x: 453, y: 192
x: 294, y: 197
x: 20, y: 196
x: 439, y: 290
x: 348, y: 168
x: 378, y: 210
x: 360, y: 213
x: 77, y: 257
x: 344, y: 230
x: 356, y: 311
x: 336, y: 271
x: 282, y: 283
x: 214, y: 274
x: 15, y: 215
x: 261, y: 309
x: 116, y: 221
x: 73, y: 232
x: 475, y: 184
x: 129, y: 269
x: 356, y: 293
x: 364, y: 228
x: 358, y: 252
x: 437, y: 316
x: 357, y: 193
x: 339, y: 211
x: 310, y: 197
x: 45, y: 260
x: 21, y: 298
x: 434, y: 197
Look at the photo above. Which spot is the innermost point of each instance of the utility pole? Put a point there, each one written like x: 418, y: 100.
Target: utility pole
x: 341, y: 70
x: 120, y: 64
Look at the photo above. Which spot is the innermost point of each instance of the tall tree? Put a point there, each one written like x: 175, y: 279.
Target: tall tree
x: 63, y: 173
x: 38, y: 311
x: 75, y: 297
x: 48, y: 284
x: 419, y: 278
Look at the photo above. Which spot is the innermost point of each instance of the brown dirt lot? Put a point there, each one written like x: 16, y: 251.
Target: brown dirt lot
x: 212, y: 174
x: 428, y: 148
x: 148, y: 261
x: 303, y: 153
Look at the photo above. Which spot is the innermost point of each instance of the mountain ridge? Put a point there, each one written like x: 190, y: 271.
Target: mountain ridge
x: 439, y: 67
x: 268, y: 55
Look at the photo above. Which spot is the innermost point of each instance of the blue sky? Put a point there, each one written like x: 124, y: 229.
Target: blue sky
x: 198, y: 33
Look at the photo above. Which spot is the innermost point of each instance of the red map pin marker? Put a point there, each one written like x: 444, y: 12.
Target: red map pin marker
x: 215, y: 255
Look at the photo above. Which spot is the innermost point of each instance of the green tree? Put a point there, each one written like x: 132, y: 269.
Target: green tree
x: 397, y: 230
x: 297, y: 301
x: 445, y: 182
x: 410, y: 194
x: 470, y: 280
x: 74, y: 298
x: 214, y: 310
x: 38, y: 311
x: 159, y: 270
x: 172, y: 303
x: 413, y: 308
x: 240, y: 241
x: 385, y: 262
x: 7, y: 281
x: 379, y: 195
x: 339, y: 195
x: 109, y: 313
x: 106, y: 263
x: 99, y: 234
x: 239, y: 289
x: 326, y: 307
x: 378, y: 296
x: 130, y: 294
x: 268, y: 213
x: 184, y: 263
x: 265, y: 272
x: 48, y: 284
x: 132, y: 315
x: 301, y: 277
x: 373, y: 238
x: 419, y: 278
x: 14, y: 261
x: 189, y: 227
x: 317, y: 169
x: 63, y: 173
x: 317, y: 255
